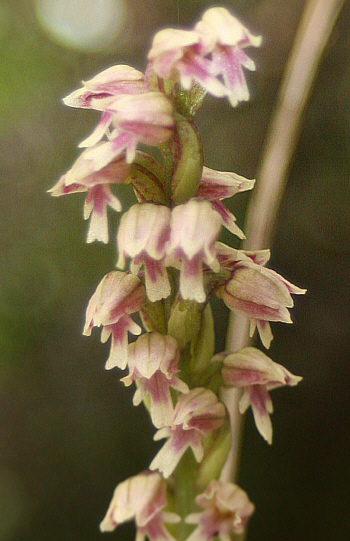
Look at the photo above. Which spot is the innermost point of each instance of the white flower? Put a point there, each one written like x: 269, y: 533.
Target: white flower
x: 194, y: 229
x: 142, y: 235
x: 142, y: 498
x: 211, y: 55
x: 196, y: 415
x: 85, y: 177
x: 152, y: 363
x: 259, y: 293
x: 227, y: 510
x: 117, y: 296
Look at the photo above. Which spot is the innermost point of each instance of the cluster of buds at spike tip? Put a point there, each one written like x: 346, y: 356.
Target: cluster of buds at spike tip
x: 170, y: 263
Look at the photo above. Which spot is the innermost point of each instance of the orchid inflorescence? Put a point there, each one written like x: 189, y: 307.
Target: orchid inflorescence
x: 147, y: 138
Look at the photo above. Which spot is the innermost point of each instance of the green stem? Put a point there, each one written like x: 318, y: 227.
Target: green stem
x: 169, y: 170
x: 184, y: 478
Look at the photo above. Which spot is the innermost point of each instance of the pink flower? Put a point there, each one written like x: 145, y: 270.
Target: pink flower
x: 196, y: 415
x: 257, y: 374
x: 152, y: 362
x: 114, y: 81
x: 217, y: 185
x: 210, y: 55
x: 194, y: 229
x: 227, y: 510
x: 117, y: 295
x: 139, y: 118
x: 142, y: 235
x: 142, y: 498
x: 225, y: 37
x: 84, y: 177
x: 259, y: 293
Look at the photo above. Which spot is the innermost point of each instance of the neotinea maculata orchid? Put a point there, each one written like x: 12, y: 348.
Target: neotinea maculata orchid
x: 169, y: 264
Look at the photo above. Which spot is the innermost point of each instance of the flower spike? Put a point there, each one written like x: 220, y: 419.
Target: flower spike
x: 171, y: 264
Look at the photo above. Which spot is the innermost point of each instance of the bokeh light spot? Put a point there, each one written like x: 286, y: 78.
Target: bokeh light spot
x: 86, y: 25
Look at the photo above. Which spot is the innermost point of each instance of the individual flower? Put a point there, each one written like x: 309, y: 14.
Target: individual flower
x: 225, y: 37
x: 140, y: 118
x: 257, y: 374
x: 196, y: 415
x: 259, y: 293
x: 142, y: 498
x: 117, y: 295
x: 84, y: 177
x: 177, y: 53
x: 152, y: 363
x: 227, y: 510
x: 114, y: 81
x: 142, y: 235
x: 210, y: 55
x: 217, y: 185
x: 194, y: 228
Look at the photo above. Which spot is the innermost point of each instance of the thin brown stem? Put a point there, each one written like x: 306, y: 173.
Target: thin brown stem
x: 316, y: 24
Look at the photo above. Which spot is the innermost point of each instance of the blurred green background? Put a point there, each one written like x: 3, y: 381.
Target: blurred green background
x: 68, y: 431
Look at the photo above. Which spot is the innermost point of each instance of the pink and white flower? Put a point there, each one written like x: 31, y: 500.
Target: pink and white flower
x: 194, y: 229
x: 210, y: 55
x: 225, y: 37
x: 142, y: 498
x: 117, y: 296
x: 177, y: 53
x: 139, y: 118
x: 143, y: 233
x: 84, y: 177
x: 261, y: 294
x: 152, y: 363
x: 114, y: 81
x: 196, y: 415
x: 227, y: 510
x: 257, y: 374
x: 217, y: 185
